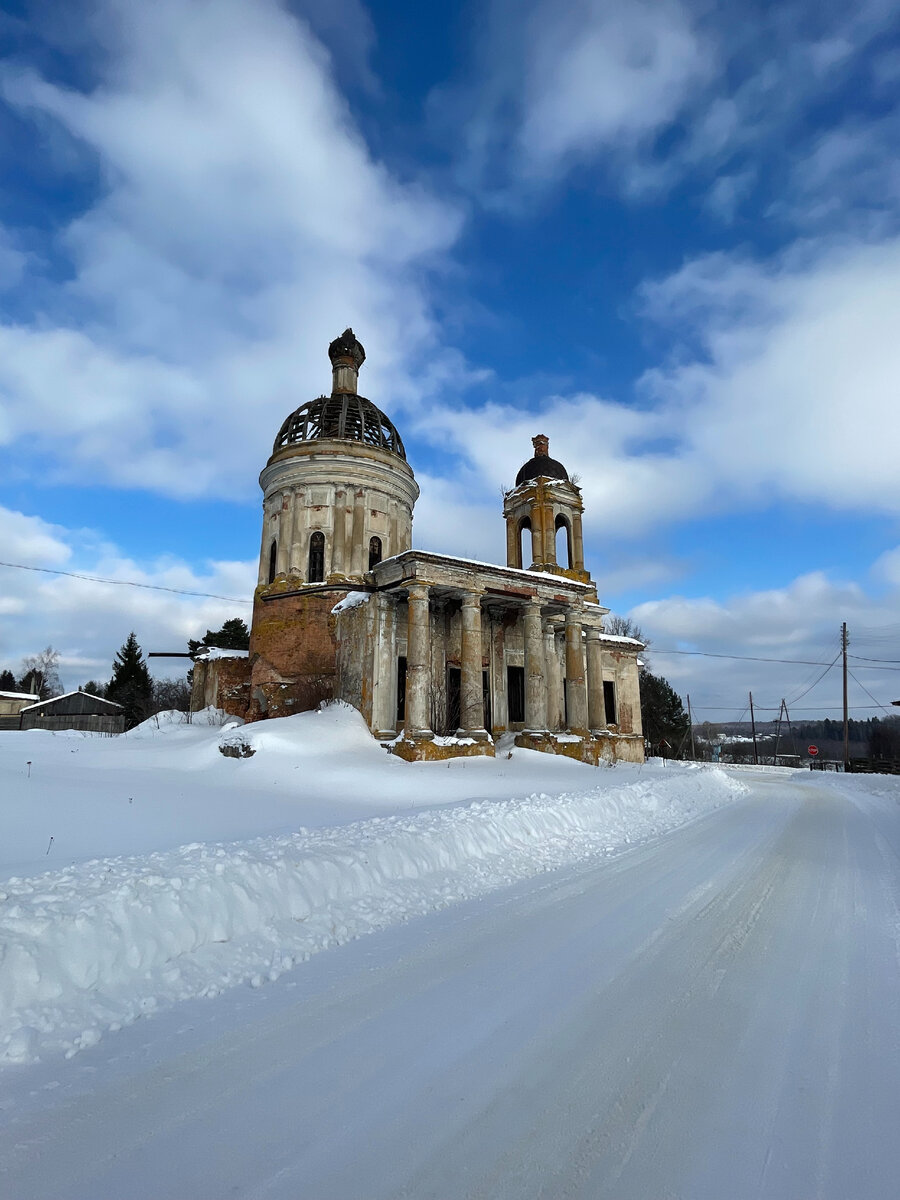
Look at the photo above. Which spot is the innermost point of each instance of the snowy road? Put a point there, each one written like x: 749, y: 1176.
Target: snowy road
x: 716, y: 1014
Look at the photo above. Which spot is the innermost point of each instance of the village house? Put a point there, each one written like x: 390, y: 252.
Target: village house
x: 11, y: 704
x: 440, y: 654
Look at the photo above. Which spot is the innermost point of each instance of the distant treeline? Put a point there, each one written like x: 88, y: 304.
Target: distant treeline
x: 874, y: 738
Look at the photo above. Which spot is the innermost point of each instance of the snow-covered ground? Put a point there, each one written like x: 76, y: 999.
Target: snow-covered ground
x: 657, y: 980
x: 102, y: 941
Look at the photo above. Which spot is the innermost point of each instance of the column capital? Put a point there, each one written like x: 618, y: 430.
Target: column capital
x: 471, y: 599
x: 592, y: 633
x: 418, y: 591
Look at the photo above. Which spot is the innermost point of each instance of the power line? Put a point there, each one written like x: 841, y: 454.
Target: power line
x: 818, y: 679
x: 809, y: 708
x: 866, y: 690
x: 800, y: 662
x: 796, y: 662
x: 152, y: 587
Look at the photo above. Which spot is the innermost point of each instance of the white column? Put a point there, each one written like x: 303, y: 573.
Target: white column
x: 359, y: 554
x: 282, y: 559
x: 535, y: 692
x: 418, y: 663
x: 576, y: 692
x: 553, y: 678
x: 471, y: 695
x: 596, y: 703
x: 384, y: 669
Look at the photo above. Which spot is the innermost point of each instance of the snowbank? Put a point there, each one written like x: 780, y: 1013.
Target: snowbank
x: 90, y: 948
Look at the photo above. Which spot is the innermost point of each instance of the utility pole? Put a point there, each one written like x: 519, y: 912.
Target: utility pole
x: 778, y: 735
x: 691, y: 720
x: 846, y: 724
x: 753, y: 727
x: 790, y: 730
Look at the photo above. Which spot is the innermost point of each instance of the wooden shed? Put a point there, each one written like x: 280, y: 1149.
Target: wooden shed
x: 75, y: 710
x: 11, y: 704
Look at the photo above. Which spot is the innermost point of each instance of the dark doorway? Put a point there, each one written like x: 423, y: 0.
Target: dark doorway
x: 454, y: 687
x: 515, y: 692
x: 486, y: 699
x: 374, y: 551
x: 609, y: 702
x: 401, y: 690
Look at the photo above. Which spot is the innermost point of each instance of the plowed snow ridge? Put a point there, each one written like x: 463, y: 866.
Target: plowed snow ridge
x: 93, y: 947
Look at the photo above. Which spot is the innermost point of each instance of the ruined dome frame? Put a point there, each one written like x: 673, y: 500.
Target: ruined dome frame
x: 343, y: 417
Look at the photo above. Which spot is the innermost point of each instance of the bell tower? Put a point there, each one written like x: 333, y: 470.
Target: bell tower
x: 543, y: 512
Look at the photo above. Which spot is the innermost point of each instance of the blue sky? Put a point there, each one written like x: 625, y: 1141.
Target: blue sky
x: 664, y: 234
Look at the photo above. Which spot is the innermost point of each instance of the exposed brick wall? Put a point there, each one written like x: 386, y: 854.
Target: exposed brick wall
x: 293, y: 653
x: 232, y: 684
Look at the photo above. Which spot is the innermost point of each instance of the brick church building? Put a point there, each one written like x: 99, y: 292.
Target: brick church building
x: 439, y: 654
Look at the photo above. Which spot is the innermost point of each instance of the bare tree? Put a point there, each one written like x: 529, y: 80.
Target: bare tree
x: 40, y: 674
x: 171, y: 694
x: 624, y: 627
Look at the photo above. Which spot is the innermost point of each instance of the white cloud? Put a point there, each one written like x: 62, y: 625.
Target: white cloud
x: 87, y: 621
x: 241, y: 224
x: 645, y: 94
x: 559, y: 84
x: 598, y: 75
x: 800, y: 621
x: 796, y: 395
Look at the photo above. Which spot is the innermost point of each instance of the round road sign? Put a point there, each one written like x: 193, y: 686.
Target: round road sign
x: 814, y: 750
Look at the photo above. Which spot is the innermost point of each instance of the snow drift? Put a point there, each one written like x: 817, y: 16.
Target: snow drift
x: 99, y: 944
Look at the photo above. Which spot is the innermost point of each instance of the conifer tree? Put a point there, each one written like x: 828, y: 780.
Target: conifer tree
x: 8, y: 681
x: 666, y: 724
x: 130, y: 684
x: 234, y: 635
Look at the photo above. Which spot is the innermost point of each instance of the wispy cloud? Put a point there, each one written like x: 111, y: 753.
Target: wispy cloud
x: 239, y: 224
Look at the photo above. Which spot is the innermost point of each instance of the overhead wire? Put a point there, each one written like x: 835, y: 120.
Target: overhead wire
x: 152, y: 587
x: 866, y: 690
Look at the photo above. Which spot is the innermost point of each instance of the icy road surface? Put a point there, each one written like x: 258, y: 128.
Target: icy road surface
x: 712, y: 1015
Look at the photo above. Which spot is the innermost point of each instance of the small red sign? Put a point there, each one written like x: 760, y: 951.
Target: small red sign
x: 814, y: 750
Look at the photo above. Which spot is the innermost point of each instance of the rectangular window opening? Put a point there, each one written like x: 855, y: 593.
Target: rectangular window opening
x: 515, y: 692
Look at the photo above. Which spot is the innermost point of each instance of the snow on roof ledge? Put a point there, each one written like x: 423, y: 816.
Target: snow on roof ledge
x: 65, y: 696
x: 208, y: 652
x: 19, y: 696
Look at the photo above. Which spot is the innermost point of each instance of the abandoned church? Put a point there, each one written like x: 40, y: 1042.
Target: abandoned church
x: 439, y: 654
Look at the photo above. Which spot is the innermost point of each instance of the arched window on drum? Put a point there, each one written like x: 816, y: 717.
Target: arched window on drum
x: 316, y: 572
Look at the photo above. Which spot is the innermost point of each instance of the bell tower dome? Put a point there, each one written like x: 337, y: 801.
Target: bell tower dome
x: 546, y: 507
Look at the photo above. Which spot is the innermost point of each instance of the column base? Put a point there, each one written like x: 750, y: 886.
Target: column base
x: 593, y: 749
x: 475, y: 735
x: 432, y: 749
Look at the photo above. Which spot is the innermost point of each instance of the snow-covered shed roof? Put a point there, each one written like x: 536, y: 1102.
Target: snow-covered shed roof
x: 67, y: 696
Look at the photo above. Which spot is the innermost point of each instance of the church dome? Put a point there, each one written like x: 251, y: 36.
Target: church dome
x: 542, y: 465
x: 344, y: 415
